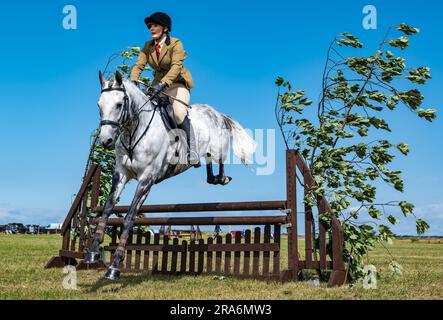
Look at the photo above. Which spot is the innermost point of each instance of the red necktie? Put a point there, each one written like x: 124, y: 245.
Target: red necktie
x: 157, y: 50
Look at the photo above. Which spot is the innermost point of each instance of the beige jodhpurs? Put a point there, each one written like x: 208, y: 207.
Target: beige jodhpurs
x: 179, y: 91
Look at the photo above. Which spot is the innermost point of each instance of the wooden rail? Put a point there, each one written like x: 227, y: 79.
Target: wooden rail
x: 202, y: 221
x: 205, y: 207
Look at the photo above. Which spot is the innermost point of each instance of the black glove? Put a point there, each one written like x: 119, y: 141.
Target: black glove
x: 157, y: 88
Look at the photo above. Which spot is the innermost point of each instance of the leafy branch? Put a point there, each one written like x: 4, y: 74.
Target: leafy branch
x: 345, y: 160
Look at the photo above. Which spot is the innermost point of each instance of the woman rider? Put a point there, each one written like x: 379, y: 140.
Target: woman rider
x: 165, y: 55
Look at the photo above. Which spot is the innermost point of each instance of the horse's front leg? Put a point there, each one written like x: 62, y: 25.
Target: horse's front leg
x: 113, y: 272
x: 118, y: 183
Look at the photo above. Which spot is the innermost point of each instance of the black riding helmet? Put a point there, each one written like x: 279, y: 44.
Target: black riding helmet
x: 160, y: 18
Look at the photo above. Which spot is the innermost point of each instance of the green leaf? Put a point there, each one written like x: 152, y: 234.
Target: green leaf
x: 379, y: 123
x: 385, y: 233
x: 419, y: 75
x: 360, y: 150
x: 404, y: 148
x: 305, y: 101
x: 412, y: 98
x: 408, y: 30
x: 279, y: 81
x: 363, y: 132
x: 406, y: 207
x: 428, y: 114
x: 135, y: 51
x: 350, y: 41
x: 401, y: 43
x: 392, y: 219
x: 374, y: 213
x: 422, y: 226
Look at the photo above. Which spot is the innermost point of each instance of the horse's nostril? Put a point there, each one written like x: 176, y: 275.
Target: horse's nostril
x: 109, y: 141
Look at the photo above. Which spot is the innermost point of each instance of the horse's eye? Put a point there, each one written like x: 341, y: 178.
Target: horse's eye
x: 119, y: 105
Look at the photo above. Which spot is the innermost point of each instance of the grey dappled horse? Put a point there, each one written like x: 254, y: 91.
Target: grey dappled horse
x: 146, y: 151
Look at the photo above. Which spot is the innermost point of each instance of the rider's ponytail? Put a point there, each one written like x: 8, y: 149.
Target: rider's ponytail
x: 168, y: 38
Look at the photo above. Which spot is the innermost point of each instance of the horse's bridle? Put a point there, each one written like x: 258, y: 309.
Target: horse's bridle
x: 124, y: 116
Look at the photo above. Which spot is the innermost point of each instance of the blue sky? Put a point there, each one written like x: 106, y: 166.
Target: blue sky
x: 236, y: 50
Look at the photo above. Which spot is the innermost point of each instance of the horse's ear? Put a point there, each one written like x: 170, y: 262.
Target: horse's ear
x: 118, y: 78
x: 102, y: 79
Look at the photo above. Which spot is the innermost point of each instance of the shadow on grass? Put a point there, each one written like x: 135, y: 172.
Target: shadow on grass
x: 127, y: 280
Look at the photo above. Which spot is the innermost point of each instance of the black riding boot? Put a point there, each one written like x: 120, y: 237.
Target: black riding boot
x: 193, y: 158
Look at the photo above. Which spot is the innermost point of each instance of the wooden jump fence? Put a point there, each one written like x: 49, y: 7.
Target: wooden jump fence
x: 256, y: 254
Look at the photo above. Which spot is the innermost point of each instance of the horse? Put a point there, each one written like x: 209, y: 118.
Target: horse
x: 145, y: 150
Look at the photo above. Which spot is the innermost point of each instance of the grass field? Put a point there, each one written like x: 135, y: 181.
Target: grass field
x: 22, y: 276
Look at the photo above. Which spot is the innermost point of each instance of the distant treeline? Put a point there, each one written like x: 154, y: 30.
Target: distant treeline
x: 406, y: 237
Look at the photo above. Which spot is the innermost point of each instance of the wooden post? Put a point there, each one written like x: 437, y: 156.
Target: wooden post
x: 247, y: 254
x: 276, y: 254
x: 227, y: 269
x: 209, y: 257
x: 174, y: 257
x: 322, y: 234
x: 338, y: 275
x: 256, y: 254
x: 146, y: 252
x: 164, y: 267
x: 308, y: 235
x: 83, y: 221
x: 291, y: 196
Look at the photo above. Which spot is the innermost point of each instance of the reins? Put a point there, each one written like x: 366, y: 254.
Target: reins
x: 167, y: 95
x: 124, y: 119
x: 173, y: 98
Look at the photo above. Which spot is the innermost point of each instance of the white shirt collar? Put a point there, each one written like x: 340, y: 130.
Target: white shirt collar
x: 162, y: 40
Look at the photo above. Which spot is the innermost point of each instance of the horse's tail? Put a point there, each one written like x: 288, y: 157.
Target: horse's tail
x: 242, y: 143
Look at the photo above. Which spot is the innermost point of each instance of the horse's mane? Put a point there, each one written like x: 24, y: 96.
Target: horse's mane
x: 136, y: 94
x: 129, y: 84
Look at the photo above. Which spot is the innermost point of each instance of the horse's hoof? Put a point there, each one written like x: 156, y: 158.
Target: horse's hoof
x: 196, y: 165
x: 92, y: 257
x: 225, y: 180
x: 112, y: 274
